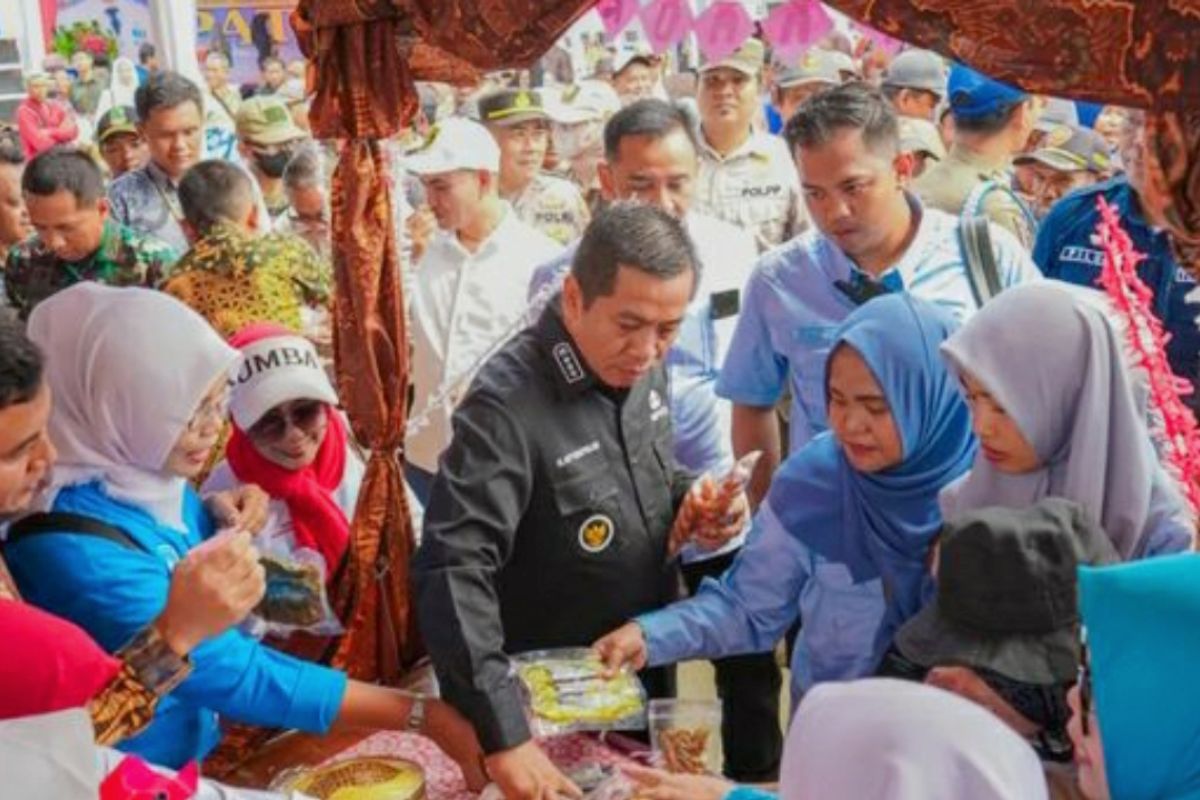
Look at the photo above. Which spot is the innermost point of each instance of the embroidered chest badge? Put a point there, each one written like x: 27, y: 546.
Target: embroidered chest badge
x: 596, y: 533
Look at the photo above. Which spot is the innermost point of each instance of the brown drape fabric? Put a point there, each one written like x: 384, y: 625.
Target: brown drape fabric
x: 1137, y: 53
x: 366, y: 54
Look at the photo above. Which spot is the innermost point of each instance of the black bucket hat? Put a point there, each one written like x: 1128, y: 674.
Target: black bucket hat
x: 1007, y: 597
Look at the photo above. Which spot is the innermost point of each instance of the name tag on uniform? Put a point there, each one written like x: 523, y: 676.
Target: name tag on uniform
x: 1073, y: 254
x: 725, y: 304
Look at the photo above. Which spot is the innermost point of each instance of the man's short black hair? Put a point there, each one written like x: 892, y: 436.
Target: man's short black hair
x: 654, y: 118
x: 848, y: 106
x: 270, y: 59
x: 633, y: 235
x: 165, y: 89
x: 21, y: 364
x: 146, y: 52
x: 214, y: 191
x: 64, y: 169
x: 989, y: 123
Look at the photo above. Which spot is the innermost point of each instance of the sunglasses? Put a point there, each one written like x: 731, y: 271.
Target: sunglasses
x: 1085, y: 687
x: 305, y: 415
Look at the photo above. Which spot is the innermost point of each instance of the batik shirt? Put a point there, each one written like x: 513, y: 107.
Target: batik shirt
x: 233, y: 278
x: 124, y: 258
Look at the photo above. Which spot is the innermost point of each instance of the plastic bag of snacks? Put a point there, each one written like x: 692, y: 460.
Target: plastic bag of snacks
x: 686, y: 735
x: 296, y: 598
x: 567, y: 692
x: 712, y: 497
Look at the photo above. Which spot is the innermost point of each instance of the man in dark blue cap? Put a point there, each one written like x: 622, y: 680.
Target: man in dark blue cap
x: 992, y: 124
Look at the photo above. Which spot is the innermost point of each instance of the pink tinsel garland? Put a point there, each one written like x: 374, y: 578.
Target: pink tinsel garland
x: 1176, y: 427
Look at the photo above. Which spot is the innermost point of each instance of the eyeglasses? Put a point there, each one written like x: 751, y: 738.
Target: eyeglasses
x: 304, y: 415
x: 1085, y: 687
x: 211, y: 413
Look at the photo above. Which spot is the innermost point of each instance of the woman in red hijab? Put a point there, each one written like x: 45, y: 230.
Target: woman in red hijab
x: 289, y: 438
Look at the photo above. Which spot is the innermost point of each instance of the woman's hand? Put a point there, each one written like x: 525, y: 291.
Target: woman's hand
x: 624, y: 646
x: 455, y: 736
x: 655, y: 784
x: 213, y: 588
x: 245, y: 508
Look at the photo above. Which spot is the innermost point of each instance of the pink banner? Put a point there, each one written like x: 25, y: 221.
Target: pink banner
x: 722, y: 28
x: 615, y: 15
x: 879, y: 40
x: 666, y: 22
x: 793, y: 27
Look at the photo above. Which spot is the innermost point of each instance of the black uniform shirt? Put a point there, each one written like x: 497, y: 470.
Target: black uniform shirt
x: 547, y: 523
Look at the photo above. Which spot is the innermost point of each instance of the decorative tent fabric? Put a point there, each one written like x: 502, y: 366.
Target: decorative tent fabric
x: 1136, y: 53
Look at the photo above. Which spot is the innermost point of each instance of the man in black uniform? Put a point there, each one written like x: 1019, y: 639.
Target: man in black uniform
x: 548, y: 522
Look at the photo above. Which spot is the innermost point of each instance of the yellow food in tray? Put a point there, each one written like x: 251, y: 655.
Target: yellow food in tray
x: 361, y: 779
x: 571, y: 692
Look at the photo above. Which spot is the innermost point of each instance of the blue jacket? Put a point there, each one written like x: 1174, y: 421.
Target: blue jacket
x: 112, y: 591
x: 1064, y: 250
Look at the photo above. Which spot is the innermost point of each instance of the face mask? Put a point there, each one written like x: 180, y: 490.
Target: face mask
x: 274, y: 164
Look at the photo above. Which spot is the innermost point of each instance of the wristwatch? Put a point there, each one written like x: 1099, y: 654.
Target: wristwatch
x: 416, y: 714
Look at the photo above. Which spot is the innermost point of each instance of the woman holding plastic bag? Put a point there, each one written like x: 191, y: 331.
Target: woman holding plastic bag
x: 843, y: 536
x: 140, y: 384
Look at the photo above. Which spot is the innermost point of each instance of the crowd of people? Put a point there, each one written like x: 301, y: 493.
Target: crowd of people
x: 879, y: 275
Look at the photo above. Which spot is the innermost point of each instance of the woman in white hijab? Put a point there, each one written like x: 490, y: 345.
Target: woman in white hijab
x: 121, y: 87
x: 1058, y: 414
x: 139, y: 384
x: 883, y: 739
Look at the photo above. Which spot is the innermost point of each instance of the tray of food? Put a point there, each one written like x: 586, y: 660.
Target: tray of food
x: 363, y: 778
x: 567, y: 691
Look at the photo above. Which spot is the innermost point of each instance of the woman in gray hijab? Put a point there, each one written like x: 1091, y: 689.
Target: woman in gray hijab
x: 1058, y: 414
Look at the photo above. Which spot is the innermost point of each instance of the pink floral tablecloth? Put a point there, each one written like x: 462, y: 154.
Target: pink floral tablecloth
x: 444, y: 781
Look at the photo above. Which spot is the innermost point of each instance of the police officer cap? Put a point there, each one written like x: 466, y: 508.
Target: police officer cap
x: 917, y: 69
x: 511, y: 107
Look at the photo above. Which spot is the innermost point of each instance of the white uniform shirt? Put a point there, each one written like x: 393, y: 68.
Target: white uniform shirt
x: 463, y: 304
x: 755, y: 187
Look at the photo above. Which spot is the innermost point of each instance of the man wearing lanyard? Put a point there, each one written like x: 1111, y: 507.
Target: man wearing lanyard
x: 469, y: 290
x: 871, y: 235
x: 651, y: 157
x: 76, y: 238
x: 170, y: 111
x: 549, y: 518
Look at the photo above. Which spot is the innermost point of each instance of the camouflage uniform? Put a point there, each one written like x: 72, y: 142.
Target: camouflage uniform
x: 232, y: 278
x: 124, y: 258
x: 754, y: 187
x: 554, y: 206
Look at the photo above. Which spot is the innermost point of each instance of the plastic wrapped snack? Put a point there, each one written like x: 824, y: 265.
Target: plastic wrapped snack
x: 567, y: 692
x: 686, y: 735
x: 364, y: 778
x: 296, y: 598
x: 712, y: 496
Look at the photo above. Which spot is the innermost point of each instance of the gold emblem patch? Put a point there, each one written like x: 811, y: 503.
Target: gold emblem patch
x: 596, y: 533
x: 1058, y: 136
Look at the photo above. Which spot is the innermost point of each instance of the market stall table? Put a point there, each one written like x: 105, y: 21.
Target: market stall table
x: 443, y: 780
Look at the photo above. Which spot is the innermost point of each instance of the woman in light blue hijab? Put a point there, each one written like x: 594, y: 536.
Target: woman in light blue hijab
x: 1136, y: 723
x: 844, y: 533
